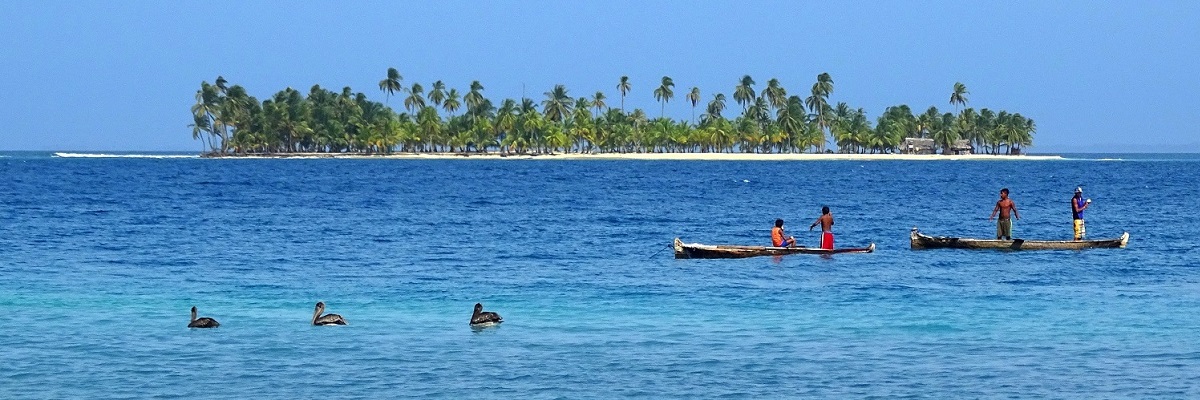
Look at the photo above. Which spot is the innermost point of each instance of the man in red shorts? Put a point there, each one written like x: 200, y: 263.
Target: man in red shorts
x: 826, y: 222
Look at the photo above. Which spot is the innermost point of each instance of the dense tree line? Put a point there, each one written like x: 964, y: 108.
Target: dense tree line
x: 230, y: 121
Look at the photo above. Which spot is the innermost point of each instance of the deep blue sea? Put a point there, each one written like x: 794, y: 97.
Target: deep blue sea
x: 101, y: 259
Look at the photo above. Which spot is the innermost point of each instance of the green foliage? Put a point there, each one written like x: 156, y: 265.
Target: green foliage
x: 227, y: 120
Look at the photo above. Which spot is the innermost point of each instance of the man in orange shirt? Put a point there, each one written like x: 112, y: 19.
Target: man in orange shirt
x: 777, y: 237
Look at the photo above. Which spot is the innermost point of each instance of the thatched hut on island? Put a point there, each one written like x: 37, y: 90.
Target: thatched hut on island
x: 961, y: 147
x: 917, y: 146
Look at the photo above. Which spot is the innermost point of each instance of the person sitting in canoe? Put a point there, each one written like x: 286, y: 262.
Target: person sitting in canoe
x: 826, y: 222
x: 1004, y: 206
x: 777, y: 237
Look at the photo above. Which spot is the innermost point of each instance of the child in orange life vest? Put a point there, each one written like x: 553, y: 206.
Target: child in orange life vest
x: 777, y: 237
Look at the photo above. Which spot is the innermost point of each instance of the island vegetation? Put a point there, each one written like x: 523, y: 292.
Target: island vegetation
x: 442, y: 119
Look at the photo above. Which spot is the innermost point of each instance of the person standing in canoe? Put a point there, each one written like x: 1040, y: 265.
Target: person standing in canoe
x: 1078, y: 204
x: 826, y: 222
x: 1004, y: 207
x: 777, y: 237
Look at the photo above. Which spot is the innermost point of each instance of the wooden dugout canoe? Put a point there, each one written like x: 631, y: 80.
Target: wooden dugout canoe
x: 697, y: 250
x: 921, y: 241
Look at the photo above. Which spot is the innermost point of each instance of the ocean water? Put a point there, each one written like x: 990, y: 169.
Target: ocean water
x: 101, y: 258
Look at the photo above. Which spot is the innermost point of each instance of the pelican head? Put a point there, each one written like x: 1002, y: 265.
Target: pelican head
x: 317, y: 312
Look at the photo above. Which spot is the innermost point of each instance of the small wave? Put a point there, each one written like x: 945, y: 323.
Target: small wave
x: 104, y: 155
x: 1093, y: 159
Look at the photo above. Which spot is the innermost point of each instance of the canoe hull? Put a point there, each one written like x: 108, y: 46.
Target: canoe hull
x: 921, y: 241
x: 697, y: 250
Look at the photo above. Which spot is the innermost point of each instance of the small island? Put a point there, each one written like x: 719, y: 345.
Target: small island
x: 444, y: 122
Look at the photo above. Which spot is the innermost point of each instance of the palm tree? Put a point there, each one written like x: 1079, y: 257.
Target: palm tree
x: 744, y: 92
x: 959, y: 96
x: 533, y: 128
x: 715, y: 107
x: 984, y: 125
x: 624, y: 88
x: 582, y: 105
x: 759, y: 112
x: 528, y: 106
x: 824, y: 84
x: 451, y: 104
x: 430, y: 125
x: 232, y: 109
x: 1027, y: 133
x: 694, y: 98
x: 199, y: 125
x: 775, y: 94
x: 838, y: 131
x: 505, y: 123
x: 581, y: 121
x: 790, y: 118
x: 926, y: 123
x: 438, y: 94
x: 207, y: 102
x: 222, y: 89
x: 485, y: 109
x: 664, y: 93
x: 474, y: 98
x: 391, y: 84
x: 598, y: 101
x: 818, y: 104
x: 966, y: 126
x: 415, y: 100
x: 944, y: 132
x: 221, y: 84
x: 639, y: 119
x: 557, y: 105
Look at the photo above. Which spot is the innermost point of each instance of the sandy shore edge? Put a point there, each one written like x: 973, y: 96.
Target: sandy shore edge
x: 659, y: 156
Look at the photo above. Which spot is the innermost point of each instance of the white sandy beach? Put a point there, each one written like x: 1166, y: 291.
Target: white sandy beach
x: 671, y: 156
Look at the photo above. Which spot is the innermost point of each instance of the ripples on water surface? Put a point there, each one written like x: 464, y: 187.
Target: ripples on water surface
x: 101, y: 259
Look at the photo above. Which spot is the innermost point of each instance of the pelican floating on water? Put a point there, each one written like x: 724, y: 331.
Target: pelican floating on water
x: 202, y: 322
x: 480, y: 317
x: 327, y: 319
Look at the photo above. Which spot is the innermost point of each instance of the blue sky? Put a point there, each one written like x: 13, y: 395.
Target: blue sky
x: 1095, y: 76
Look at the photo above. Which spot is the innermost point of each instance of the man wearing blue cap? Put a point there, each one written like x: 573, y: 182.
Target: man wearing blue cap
x: 1078, y: 204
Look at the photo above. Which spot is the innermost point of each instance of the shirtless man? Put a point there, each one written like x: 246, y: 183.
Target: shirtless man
x: 826, y: 222
x: 1004, y: 206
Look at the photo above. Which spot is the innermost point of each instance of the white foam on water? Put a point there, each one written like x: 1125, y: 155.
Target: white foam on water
x: 103, y: 155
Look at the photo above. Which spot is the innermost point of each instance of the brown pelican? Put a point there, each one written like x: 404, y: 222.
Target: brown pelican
x: 484, y: 318
x: 202, y: 322
x: 327, y: 319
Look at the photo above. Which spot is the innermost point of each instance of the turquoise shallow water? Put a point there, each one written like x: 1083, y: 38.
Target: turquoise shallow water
x: 101, y: 258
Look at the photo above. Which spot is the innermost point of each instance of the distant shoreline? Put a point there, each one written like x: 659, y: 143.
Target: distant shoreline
x: 655, y: 156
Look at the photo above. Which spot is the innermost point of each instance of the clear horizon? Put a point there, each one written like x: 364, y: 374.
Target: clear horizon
x: 1108, y: 78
